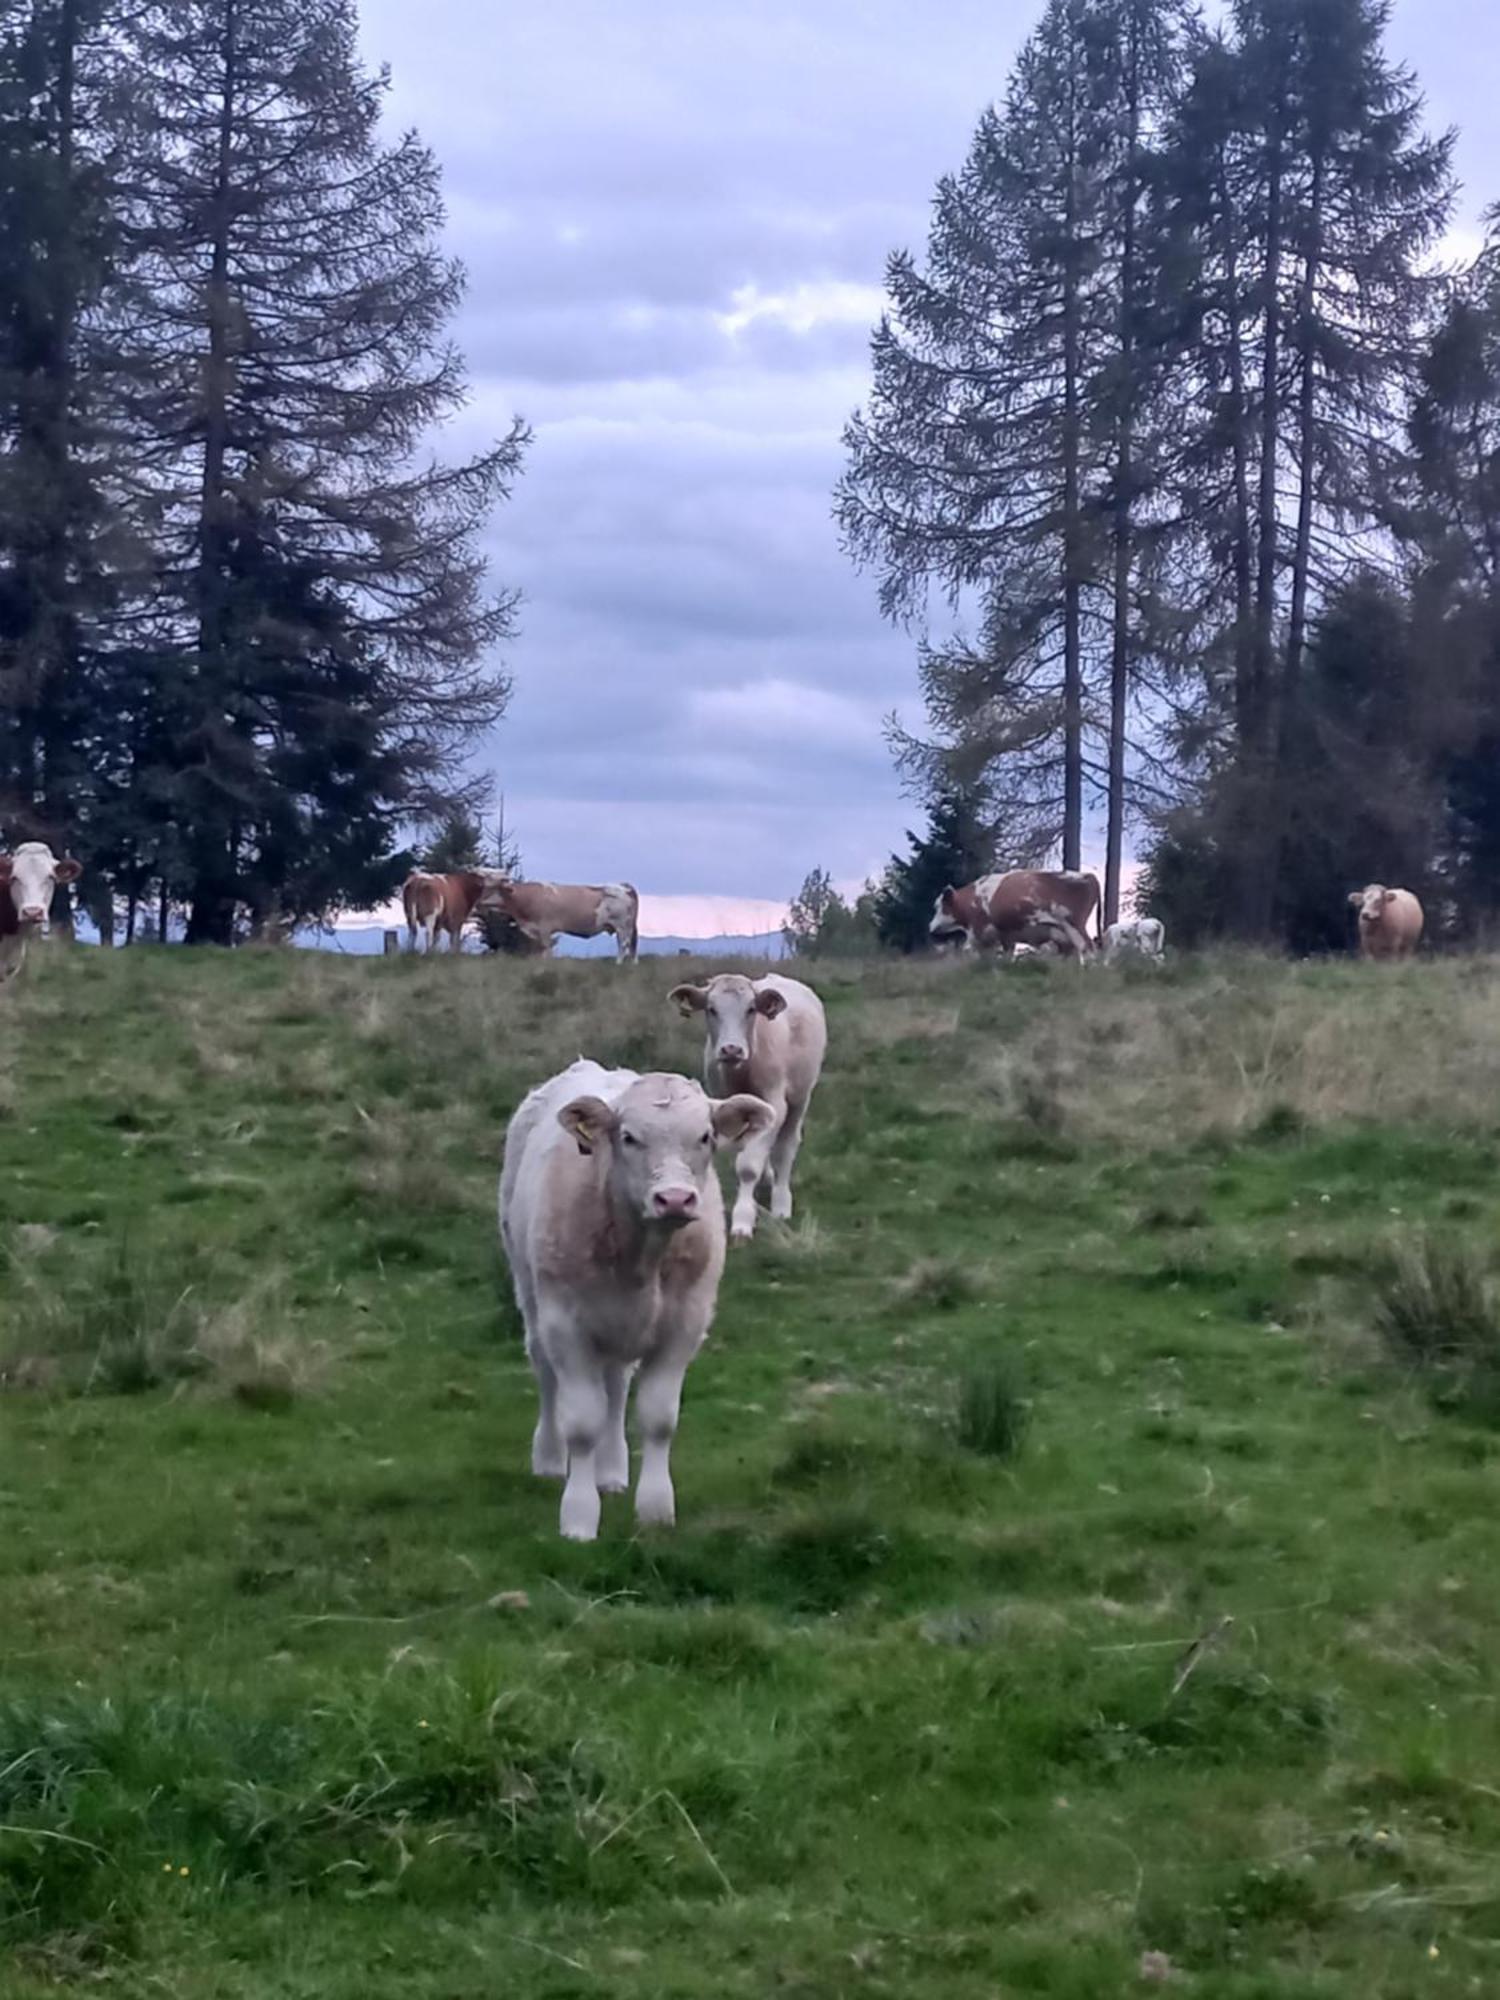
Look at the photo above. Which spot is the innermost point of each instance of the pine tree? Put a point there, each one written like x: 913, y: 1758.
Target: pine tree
x: 56, y: 128
x: 1308, y: 195
x: 323, y: 624
x: 952, y: 851
x: 1446, y: 510
x: 1006, y: 454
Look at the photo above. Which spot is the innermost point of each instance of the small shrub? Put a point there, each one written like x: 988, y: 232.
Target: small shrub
x: 940, y: 1283
x: 1437, y: 1312
x: 992, y: 1413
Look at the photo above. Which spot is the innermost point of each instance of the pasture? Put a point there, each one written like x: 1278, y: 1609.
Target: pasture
x: 1069, y: 1357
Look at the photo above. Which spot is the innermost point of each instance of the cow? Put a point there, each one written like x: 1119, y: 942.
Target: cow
x: 444, y: 903
x: 28, y: 879
x: 1390, y: 921
x: 766, y: 1036
x: 1135, y: 937
x: 613, y: 1225
x: 1023, y: 906
x: 543, y: 910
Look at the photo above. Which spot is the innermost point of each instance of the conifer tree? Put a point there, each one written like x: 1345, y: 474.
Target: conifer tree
x: 324, y: 628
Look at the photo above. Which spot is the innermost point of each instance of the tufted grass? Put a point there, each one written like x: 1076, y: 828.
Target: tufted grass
x: 300, y: 1695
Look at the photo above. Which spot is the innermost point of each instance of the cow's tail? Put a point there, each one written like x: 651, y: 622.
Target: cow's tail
x: 631, y: 945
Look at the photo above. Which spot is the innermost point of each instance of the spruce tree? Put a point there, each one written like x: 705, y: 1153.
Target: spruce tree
x: 952, y: 851
x: 57, y: 123
x: 1006, y: 455
x: 323, y: 626
x: 1306, y: 195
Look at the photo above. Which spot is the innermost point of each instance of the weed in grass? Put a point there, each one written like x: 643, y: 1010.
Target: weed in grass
x: 109, y: 1324
x: 938, y: 1284
x: 1437, y: 1311
x: 992, y: 1412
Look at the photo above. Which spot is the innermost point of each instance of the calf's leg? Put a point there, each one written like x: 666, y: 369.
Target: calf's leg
x: 658, y: 1398
x: 784, y: 1158
x: 750, y: 1169
x: 582, y: 1413
x: 614, y: 1452
x: 548, y: 1458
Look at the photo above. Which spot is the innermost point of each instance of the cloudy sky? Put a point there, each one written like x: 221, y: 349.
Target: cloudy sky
x: 675, y: 215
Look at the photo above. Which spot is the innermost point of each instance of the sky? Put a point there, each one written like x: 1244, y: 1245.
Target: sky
x: 675, y: 216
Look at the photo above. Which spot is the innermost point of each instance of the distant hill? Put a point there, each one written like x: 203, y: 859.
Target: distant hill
x: 367, y: 941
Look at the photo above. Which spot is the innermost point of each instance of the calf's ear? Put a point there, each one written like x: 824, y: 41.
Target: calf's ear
x: 770, y: 1003
x: 1356, y: 897
x: 737, y: 1118
x: 589, y: 1119
x: 69, y: 871
x: 690, y: 1000
x: 1389, y: 896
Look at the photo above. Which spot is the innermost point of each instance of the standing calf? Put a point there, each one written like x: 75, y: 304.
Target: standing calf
x: 1135, y: 937
x: 28, y: 881
x: 766, y: 1036
x: 613, y: 1224
x: 1390, y: 921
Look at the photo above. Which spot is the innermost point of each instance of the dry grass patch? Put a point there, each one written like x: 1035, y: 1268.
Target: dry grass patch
x: 1246, y: 1043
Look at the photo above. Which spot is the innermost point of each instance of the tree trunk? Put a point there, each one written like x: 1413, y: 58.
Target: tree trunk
x: 1124, y: 508
x: 212, y: 898
x: 1307, y: 409
x: 1242, y: 558
x: 1259, y: 758
x: 1072, y: 853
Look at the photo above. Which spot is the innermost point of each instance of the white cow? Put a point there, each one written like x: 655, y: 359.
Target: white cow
x: 28, y: 879
x: 613, y: 1223
x: 766, y: 1036
x: 1135, y: 937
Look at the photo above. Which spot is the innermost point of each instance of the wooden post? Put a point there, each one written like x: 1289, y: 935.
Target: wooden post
x: 392, y: 943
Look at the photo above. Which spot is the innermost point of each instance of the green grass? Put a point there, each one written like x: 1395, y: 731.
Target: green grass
x: 300, y: 1694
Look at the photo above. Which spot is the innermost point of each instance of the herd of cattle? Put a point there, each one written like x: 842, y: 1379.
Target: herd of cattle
x: 611, y: 1212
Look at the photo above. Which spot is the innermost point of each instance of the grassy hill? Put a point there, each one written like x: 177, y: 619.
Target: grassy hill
x: 1071, y: 1357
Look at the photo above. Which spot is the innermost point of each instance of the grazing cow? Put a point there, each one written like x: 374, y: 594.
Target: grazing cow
x: 766, y: 1036
x: 613, y: 1224
x: 438, y: 903
x: 1024, y: 906
x: 28, y: 879
x: 543, y: 910
x: 1135, y: 937
x: 1390, y: 921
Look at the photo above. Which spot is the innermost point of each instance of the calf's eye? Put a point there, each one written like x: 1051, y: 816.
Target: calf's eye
x: 630, y: 1139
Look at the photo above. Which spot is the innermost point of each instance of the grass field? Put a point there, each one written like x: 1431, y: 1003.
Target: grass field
x: 1071, y: 1356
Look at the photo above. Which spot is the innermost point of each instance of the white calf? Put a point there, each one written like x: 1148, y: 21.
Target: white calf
x: 766, y: 1036
x: 613, y: 1223
x: 1135, y: 937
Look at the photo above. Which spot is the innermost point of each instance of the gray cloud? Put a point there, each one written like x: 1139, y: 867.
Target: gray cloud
x: 675, y: 219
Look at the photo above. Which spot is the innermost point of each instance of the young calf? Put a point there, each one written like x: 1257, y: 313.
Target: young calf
x: 28, y: 881
x: 613, y: 1225
x: 1135, y: 937
x: 767, y: 1036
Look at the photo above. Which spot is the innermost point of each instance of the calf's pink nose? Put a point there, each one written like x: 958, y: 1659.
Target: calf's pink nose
x: 32, y: 913
x: 732, y: 1052
x: 675, y: 1201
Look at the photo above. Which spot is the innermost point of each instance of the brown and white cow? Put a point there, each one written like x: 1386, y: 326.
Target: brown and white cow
x: 542, y: 911
x: 613, y: 1225
x: 766, y: 1036
x: 28, y: 879
x: 1034, y: 906
x: 444, y: 903
x: 1390, y: 921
